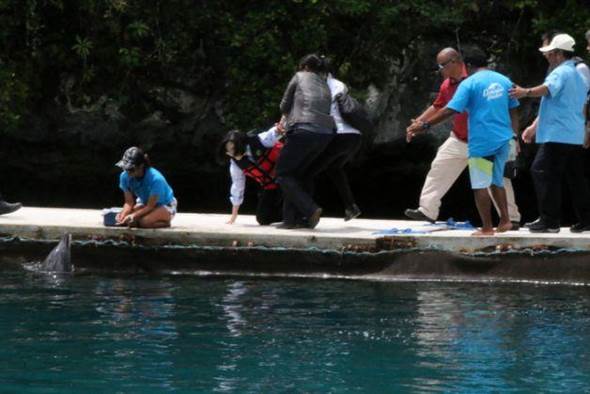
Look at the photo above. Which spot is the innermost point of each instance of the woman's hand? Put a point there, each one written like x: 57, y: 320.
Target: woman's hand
x: 120, y: 217
x: 234, y: 214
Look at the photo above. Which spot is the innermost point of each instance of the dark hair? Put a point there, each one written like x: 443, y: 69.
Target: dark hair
x: 567, y: 54
x: 328, y: 64
x: 145, y: 159
x: 313, y: 62
x: 587, y: 35
x: 475, y: 57
x: 239, y: 140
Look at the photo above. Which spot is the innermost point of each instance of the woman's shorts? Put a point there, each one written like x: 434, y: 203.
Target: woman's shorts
x: 172, y: 207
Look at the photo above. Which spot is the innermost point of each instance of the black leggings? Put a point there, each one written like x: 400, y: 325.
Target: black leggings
x: 341, y: 150
x: 300, y: 151
x: 270, y: 206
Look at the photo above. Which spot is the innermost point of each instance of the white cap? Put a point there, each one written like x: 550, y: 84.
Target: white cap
x: 565, y: 42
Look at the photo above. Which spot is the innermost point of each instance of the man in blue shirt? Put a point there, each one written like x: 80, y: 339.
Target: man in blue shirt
x: 560, y: 133
x: 492, y: 124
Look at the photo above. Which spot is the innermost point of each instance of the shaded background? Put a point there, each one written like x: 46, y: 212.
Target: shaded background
x: 80, y: 81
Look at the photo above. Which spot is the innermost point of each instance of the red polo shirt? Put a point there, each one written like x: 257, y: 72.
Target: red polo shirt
x: 445, y: 94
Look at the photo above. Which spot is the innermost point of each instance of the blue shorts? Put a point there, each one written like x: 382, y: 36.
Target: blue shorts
x: 489, y: 170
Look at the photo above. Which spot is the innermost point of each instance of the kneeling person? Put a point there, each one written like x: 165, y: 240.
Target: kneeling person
x: 255, y: 157
x: 149, y: 200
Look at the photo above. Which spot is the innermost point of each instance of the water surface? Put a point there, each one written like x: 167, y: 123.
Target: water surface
x: 249, y: 335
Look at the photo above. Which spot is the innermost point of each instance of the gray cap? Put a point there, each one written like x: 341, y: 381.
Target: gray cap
x: 132, y: 158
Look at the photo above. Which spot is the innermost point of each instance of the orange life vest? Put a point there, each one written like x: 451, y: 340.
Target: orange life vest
x: 261, y: 167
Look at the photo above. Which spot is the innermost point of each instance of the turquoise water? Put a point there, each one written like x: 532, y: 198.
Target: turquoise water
x: 192, y: 334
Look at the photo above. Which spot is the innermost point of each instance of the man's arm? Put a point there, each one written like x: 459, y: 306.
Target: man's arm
x: 518, y: 92
x: 427, y: 114
x: 420, y: 126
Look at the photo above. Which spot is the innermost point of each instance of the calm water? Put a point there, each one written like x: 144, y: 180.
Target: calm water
x: 191, y: 334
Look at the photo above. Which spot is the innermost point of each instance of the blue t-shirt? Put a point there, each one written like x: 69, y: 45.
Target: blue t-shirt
x: 484, y: 95
x: 153, y: 183
x: 561, y: 117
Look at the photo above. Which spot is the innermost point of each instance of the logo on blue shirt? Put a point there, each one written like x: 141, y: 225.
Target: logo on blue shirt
x: 494, y: 91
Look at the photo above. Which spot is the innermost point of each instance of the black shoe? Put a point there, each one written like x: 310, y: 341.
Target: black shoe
x: 6, y: 207
x: 314, y: 219
x: 416, y: 214
x: 538, y: 220
x: 541, y: 227
x: 351, y: 212
x: 515, y: 226
x: 286, y: 226
x: 580, y: 228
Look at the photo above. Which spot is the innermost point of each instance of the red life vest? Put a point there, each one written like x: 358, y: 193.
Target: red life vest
x: 262, y: 167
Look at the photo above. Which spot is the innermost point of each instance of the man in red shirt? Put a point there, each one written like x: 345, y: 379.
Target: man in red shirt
x: 451, y: 157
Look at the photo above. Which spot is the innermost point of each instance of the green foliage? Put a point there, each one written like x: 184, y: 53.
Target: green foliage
x: 82, y: 47
x: 244, y: 51
x: 138, y: 30
x: 13, y: 97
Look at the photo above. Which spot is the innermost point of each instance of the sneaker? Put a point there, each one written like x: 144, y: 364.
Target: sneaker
x: 351, y: 212
x: 579, y: 228
x: 6, y: 207
x: 538, y: 220
x: 540, y: 227
x: 314, y: 219
x: 515, y: 226
x: 416, y: 214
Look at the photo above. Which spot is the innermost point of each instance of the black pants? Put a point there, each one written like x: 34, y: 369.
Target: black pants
x: 270, y: 206
x: 552, y: 162
x: 341, y: 150
x: 301, y: 149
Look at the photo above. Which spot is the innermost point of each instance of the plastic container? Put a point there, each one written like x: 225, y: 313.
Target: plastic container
x: 109, y: 216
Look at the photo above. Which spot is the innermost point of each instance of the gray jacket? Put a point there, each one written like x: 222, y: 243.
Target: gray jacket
x: 307, y: 99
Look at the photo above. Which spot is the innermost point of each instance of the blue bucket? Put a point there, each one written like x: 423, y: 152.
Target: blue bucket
x: 109, y: 216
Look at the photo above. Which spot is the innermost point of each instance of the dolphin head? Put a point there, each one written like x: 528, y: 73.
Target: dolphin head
x: 59, y: 259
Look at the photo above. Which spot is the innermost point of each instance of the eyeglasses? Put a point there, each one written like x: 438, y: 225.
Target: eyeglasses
x: 443, y: 65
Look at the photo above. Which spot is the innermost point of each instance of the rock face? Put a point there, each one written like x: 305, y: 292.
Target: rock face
x: 65, y: 153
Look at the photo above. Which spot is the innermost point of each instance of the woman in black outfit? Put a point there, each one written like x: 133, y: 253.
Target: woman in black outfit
x: 310, y: 128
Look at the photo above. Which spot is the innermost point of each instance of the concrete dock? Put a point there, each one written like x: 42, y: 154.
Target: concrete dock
x: 330, y: 234
x: 361, y: 247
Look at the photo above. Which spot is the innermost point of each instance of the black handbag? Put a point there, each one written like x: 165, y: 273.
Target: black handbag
x: 354, y: 113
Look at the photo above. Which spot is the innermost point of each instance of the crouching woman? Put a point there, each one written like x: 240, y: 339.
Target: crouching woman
x: 149, y: 200
x: 255, y: 157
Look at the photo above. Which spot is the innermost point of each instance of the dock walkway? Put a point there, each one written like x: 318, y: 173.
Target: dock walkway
x: 331, y: 233
x: 370, y: 249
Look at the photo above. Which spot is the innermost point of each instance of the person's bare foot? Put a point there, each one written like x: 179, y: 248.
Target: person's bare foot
x: 483, y: 233
x: 503, y: 227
